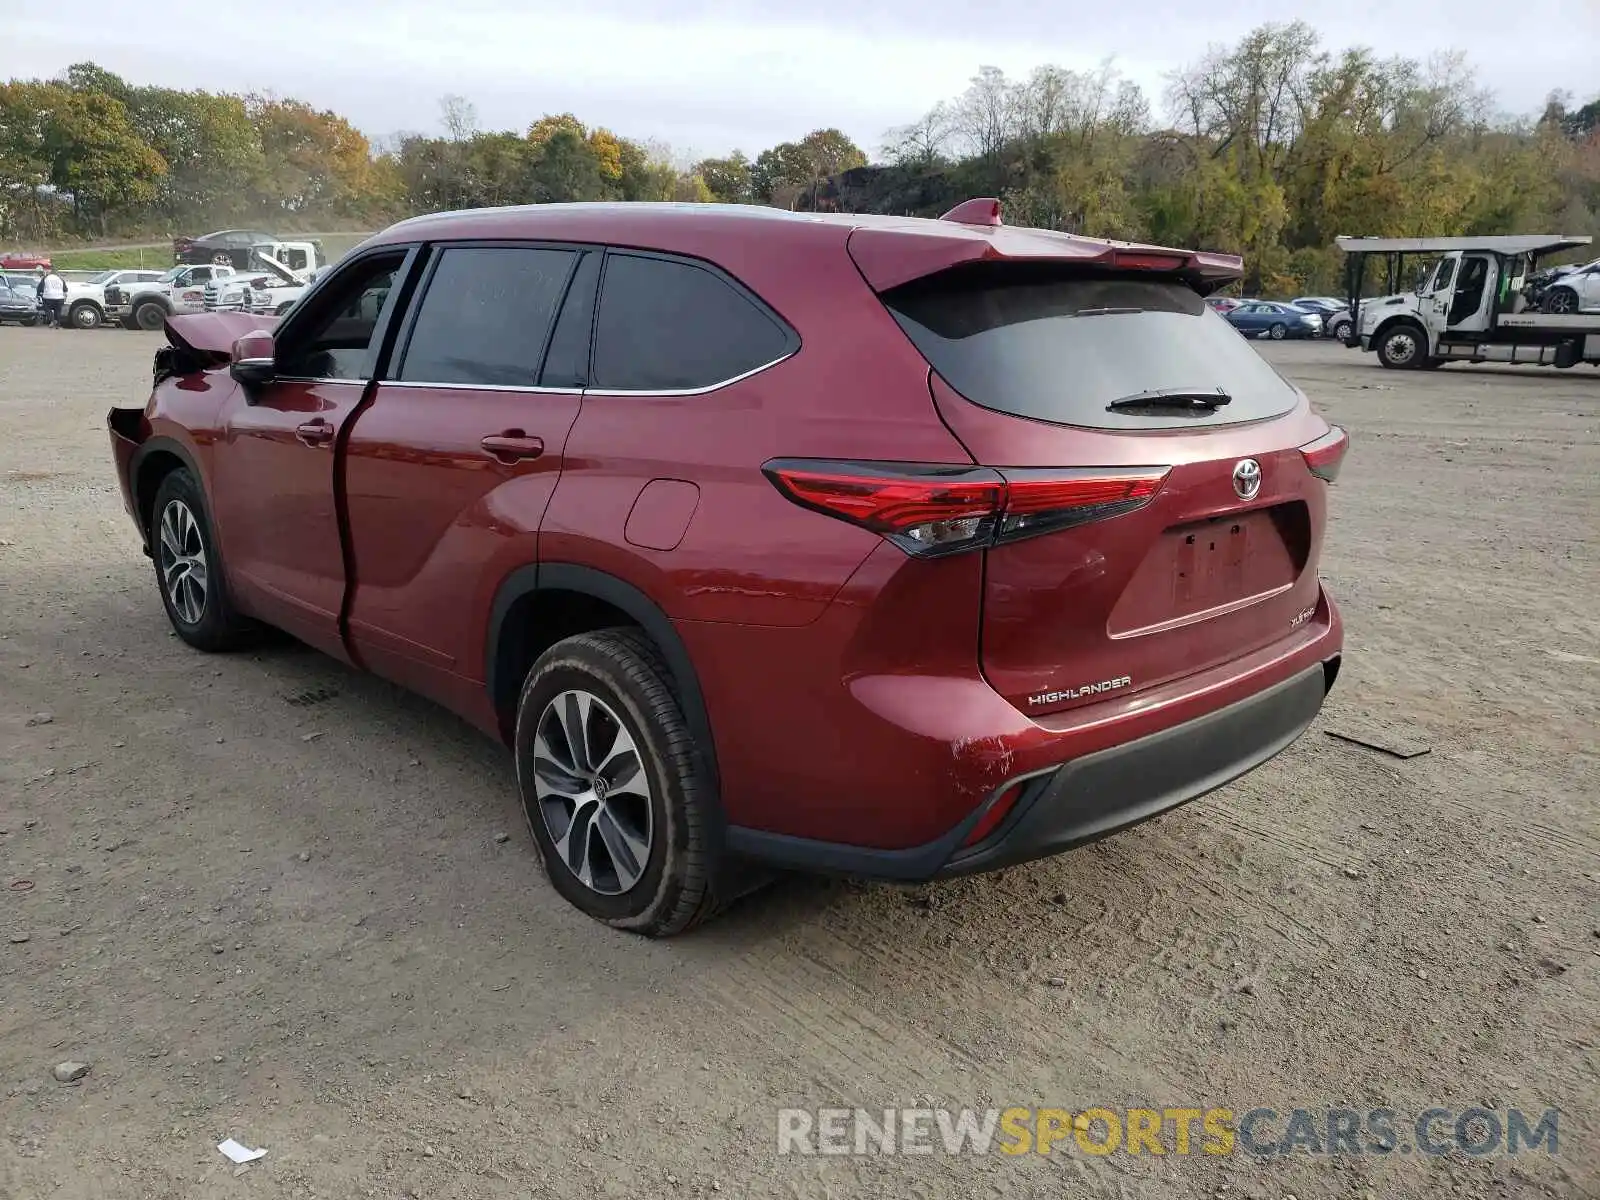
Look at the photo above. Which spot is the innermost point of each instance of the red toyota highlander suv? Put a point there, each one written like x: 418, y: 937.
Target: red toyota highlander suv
x: 895, y: 547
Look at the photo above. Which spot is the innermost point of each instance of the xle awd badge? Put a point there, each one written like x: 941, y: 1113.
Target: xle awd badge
x: 1246, y: 478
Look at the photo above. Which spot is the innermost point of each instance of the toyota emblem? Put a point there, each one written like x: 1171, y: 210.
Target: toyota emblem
x: 1246, y: 478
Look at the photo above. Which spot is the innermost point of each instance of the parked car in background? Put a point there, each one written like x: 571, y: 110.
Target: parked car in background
x: 659, y: 496
x: 1269, y: 318
x: 1223, y: 304
x: 18, y: 307
x: 1335, y: 314
x: 243, y: 249
x: 86, y: 300
x: 23, y: 262
x: 219, y: 247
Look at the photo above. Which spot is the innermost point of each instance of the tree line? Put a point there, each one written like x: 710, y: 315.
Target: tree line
x: 1268, y: 148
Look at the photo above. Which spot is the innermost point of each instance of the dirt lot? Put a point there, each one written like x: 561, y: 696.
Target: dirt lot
x: 271, y: 899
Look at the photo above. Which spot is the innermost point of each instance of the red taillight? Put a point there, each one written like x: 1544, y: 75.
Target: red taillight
x: 1325, y: 455
x: 931, y: 510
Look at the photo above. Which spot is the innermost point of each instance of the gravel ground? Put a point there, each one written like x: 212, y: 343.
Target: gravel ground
x: 275, y: 900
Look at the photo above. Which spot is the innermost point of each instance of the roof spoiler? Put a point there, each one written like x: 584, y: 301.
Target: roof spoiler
x: 889, y: 255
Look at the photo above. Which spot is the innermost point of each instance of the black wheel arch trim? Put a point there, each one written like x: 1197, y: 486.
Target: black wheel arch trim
x: 570, y: 577
x: 162, y: 445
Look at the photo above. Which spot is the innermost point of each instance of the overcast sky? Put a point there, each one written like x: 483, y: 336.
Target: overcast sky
x: 720, y: 74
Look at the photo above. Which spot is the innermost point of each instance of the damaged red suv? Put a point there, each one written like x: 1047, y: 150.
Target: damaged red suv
x: 900, y: 548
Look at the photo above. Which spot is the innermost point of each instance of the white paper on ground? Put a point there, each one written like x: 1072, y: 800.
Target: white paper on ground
x: 238, y: 1153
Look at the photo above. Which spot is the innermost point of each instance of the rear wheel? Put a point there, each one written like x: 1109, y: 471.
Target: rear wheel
x: 1340, y: 330
x: 1402, y: 348
x: 615, y: 796
x: 1278, y: 332
x: 189, y: 572
x: 150, y: 315
x: 84, y: 316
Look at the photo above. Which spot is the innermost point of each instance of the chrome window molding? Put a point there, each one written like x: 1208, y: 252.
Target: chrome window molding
x: 479, y: 387
x: 510, y: 387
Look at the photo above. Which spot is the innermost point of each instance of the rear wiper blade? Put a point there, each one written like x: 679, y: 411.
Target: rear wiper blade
x: 1173, y: 398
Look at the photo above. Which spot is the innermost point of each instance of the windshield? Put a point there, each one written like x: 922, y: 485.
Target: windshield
x: 102, y: 276
x: 1063, y: 348
x: 172, y: 275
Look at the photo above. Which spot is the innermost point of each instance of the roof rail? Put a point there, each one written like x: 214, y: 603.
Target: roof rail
x: 984, y: 210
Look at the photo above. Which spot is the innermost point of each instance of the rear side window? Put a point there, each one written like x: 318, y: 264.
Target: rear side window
x: 486, y: 315
x: 665, y: 325
x: 1061, y: 348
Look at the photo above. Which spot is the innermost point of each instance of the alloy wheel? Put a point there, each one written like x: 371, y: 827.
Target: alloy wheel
x: 593, y: 792
x: 182, y: 557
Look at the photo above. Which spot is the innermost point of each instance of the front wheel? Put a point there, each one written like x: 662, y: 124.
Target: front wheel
x: 194, y: 589
x: 150, y: 316
x: 84, y: 316
x: 616, y: 797
x: 1560, y: 301
x: 1278, y: 332
x: 1340, y: 331
x: 1401, y: 348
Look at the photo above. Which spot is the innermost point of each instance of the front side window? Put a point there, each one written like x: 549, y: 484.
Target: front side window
x: 665, y: 325
x: 336, y: 340
x: 486, y: 316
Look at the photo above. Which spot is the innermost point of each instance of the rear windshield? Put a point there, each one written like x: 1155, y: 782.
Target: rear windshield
x: 1061, y: 349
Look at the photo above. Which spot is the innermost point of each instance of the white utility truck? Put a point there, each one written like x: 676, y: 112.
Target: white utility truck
x: 1467, y: 304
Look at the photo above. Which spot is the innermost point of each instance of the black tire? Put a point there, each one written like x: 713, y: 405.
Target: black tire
x: 1560, y: 301
x: 1403, y: 347
x: 1278, y: 332
x: 1340, y: 330
x: 621, y: 667
x: 84, y: 315
x: 219, y: 626
x: 150, y: 316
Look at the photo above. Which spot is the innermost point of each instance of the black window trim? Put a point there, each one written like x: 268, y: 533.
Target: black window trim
x: 382, y: 330
x: 435, y: 252
x: 791, y: 336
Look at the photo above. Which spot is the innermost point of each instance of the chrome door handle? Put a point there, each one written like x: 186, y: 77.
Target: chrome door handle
x: 314, y: 433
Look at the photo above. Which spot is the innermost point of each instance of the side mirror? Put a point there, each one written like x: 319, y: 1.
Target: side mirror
x: 252, y: 360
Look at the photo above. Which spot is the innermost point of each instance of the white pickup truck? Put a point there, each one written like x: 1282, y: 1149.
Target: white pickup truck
x: 1467, y: 304
x: 147, y: 305
x: 86, y: 300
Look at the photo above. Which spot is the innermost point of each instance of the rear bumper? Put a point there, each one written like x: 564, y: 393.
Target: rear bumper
x: 1085, y: 799
x: 1090, y: 797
